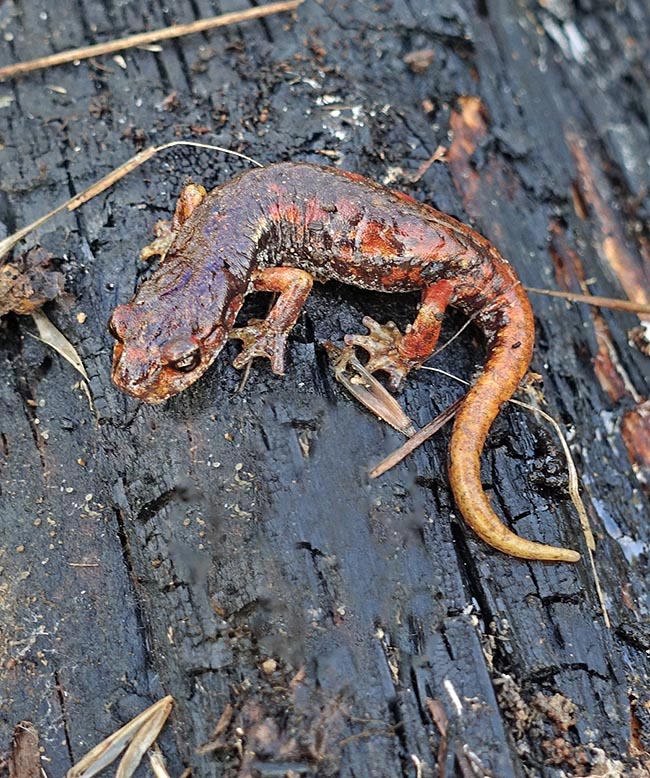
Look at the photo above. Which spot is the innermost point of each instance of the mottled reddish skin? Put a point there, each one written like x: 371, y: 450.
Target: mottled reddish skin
x: 281, y: 227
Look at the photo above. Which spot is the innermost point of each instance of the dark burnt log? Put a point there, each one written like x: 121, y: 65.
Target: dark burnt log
x: 227, y: 548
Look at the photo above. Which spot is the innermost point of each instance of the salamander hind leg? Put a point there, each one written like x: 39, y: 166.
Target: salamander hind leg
x: 268, y: 337
x: 191, y: 196
x: 397, y: 354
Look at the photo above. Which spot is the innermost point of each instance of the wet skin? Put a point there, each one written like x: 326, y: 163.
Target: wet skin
x: 282, y: 227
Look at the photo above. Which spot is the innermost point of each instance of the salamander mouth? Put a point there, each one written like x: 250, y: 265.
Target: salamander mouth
x: 150, y: 375
x: 148, y: 397
x: 140, y: 381
x: 151, y: 383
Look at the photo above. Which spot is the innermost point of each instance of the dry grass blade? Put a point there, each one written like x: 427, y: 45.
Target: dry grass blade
x: 367, y: 390
x: 54, y: 338
x: 108, y: 750
x: 143, y: 740
x: 157, y: 763
x: 211, y: 147
x: 574, y: 493
x: 145, y: 38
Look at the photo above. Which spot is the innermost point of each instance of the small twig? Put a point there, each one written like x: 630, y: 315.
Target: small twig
x: 108, y: 180
x: 464, y: 757
x: 453, y: 696
x: 244, y: 377
x: 437, y: 156
x: 417, y: 439
x: 83, y: 564
x: 216, y: 741
x: 144, y: 38
x: 600, y: 302
x: 439, y: 716
x: 419, y: 765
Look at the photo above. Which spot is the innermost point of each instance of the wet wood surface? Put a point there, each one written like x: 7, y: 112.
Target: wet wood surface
x: 228, y: 548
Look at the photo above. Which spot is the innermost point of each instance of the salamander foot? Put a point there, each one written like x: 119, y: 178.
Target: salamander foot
x: 260, y: 340
x: 191, y: 196
x: 165, y: 235
x: 383, y: 347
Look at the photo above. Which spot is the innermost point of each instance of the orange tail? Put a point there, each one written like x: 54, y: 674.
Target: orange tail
x: 509, y: 356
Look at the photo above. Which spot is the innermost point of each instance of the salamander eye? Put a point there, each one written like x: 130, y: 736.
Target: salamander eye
x: 187, y: 362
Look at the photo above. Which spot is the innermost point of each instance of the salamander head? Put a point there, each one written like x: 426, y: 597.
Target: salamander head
x: 157, y: 356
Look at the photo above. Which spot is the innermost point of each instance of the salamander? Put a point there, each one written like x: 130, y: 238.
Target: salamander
x: 282, y: 227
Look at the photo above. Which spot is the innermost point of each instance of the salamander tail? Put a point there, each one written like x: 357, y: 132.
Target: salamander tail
x: 508, y: 359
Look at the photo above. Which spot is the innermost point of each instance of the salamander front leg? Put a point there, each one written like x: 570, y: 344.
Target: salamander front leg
x: 191, y: 195
x: 268, y: 337
x: 397, y: 354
